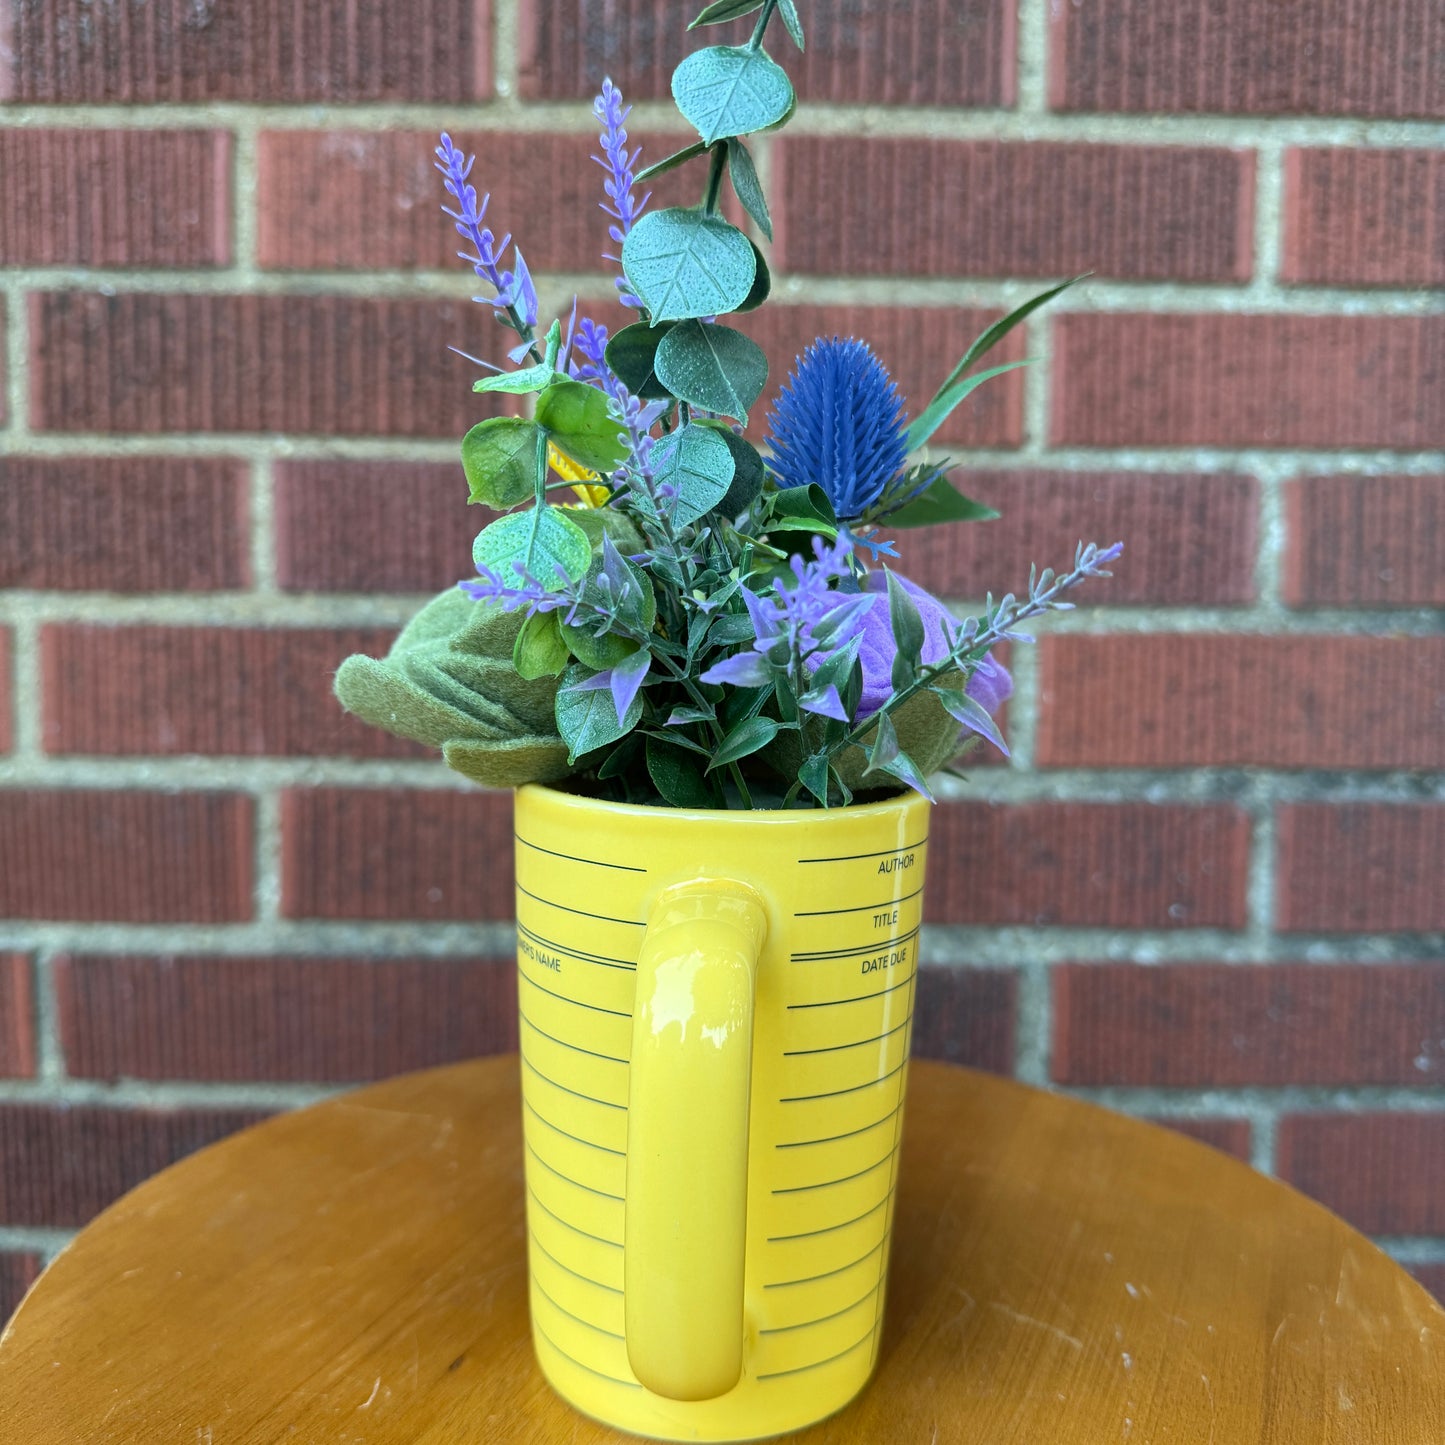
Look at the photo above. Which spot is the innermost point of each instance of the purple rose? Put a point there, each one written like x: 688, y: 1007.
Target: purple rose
x: 990, y: 685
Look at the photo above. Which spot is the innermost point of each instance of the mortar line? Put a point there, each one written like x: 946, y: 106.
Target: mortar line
x: 1268, y: 220
x: 27, y: 748
x: 267, y: 856
x: 1031, y: 61
x: 50, y: 1049
x: 506, y: 54
x: 1033, y: 1023
x: 816, y: 116
x: 17, y: 421
x: 245, y: 195
x: 1264, y: 1141
x: 32, y: 1239
x: 261, y: 501
x: 170, y: 1093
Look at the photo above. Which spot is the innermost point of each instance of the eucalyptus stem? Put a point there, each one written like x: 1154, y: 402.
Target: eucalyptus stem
x: 768, y: 7
x: 717, y: 165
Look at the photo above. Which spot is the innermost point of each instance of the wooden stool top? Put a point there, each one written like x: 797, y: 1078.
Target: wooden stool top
x: 356, y: 1272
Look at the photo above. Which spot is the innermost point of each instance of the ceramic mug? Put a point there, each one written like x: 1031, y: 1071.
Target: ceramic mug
x: 715, y: 1019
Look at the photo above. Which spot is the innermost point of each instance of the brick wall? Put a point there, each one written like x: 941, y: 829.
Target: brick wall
x: 1208, y: 888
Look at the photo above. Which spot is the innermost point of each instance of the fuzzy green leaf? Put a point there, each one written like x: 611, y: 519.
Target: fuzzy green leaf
x: 697, y: 462
x: 588, y: 719
x: 668, y: 163
x: 581, y: 421
x: 747, y: 737
x: 539, y: 650
x: 747, y: 186
x: 712, y: 367
x: 542, y: 539
x: 683, y: 263
x: 499, y: 458
x: 721, y: 10
x: 729, y: 90
x: 941, y: 502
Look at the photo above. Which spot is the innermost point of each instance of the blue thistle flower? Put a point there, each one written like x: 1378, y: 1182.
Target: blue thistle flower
x: 839, y: 422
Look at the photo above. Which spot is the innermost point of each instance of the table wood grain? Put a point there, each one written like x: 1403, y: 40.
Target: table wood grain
x: 354, y: 1274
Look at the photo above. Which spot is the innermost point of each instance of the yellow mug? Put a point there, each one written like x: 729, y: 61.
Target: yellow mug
x: 715, y: 1019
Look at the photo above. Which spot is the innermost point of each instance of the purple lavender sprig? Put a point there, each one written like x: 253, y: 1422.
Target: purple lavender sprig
x: 516, y: 299
x: 621, y: 168
x: 590, y: 343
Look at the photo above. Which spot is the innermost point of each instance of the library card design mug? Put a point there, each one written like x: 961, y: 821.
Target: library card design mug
x: 715, y: 1019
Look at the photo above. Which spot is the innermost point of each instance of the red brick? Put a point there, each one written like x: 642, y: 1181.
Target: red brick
x: 17, y: 1019
x: 124, y: 524
x: 1101, y: 865
x: 1215, y: 1025
x: 6, y: 688
x: 318, y: 365
x: 1360, y: 868
x: 900, y: 52
x: 115, y: 197
x: 125, y: 857
x: 311, y: 186
x: 919, y: 345
x: 1384, y: 1173
x: 394, y: 853
x: 1365, y: 542
x: 327, y: 50
x: 966, y: 1016
x: 350, y: 526
x: 1248, y: 380
x: 1232, y: 1136
x: 869, y: 206
x: 1212, y: 700
x: 238, y: 691
x: 1190, y: 539
x: 60, y: 1165
x: 17, y: 1273
x: 1432, y: 1276
x: 1364, y: 217
x: 328, y: 1020
x: 1251, y: 57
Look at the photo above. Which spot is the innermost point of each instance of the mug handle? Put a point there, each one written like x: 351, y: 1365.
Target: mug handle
x: 687, y: 1138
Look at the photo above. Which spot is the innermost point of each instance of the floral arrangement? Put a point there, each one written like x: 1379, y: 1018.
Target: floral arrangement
x: 667, y: 612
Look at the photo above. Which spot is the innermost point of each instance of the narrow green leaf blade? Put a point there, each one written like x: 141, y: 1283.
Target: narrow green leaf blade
x: 668, y: 163
x: 746, y: 738
x: 713, y: 367
x: 941, y: 407
x: 941, y: 502
x: 684, y: 264
x: 499, y: 458
x: 747, y: 186
x: 517, y: 383
x: 972, y: 714
x: 726, y: 90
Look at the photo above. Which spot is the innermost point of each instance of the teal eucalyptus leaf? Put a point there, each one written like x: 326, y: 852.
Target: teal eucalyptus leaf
x: 747, y: 186
x: 542, y: 539
x: 683, y: 264
x: 631, y: 355
x: 712, y: 367
x: 721, y: 10
x: 730, y: 90
x: 762, y: 282
x: 697, y: 462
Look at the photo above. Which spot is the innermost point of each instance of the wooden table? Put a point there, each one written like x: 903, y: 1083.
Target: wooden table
x: 355, y: 1273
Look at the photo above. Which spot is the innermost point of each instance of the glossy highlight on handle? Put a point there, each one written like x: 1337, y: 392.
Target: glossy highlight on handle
x: 687, y: 1138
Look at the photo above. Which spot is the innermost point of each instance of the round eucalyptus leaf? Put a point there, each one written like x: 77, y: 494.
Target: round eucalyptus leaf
x: 499, y: 458
x: 762, y: 282
x: 727, y: 90
x: 683, y: 264
x: 712, y: 367
x: 748, y: 473
x: 630, y: 355
x: 542, y: 539
x: 580, y: 420
x: 698, y: 464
